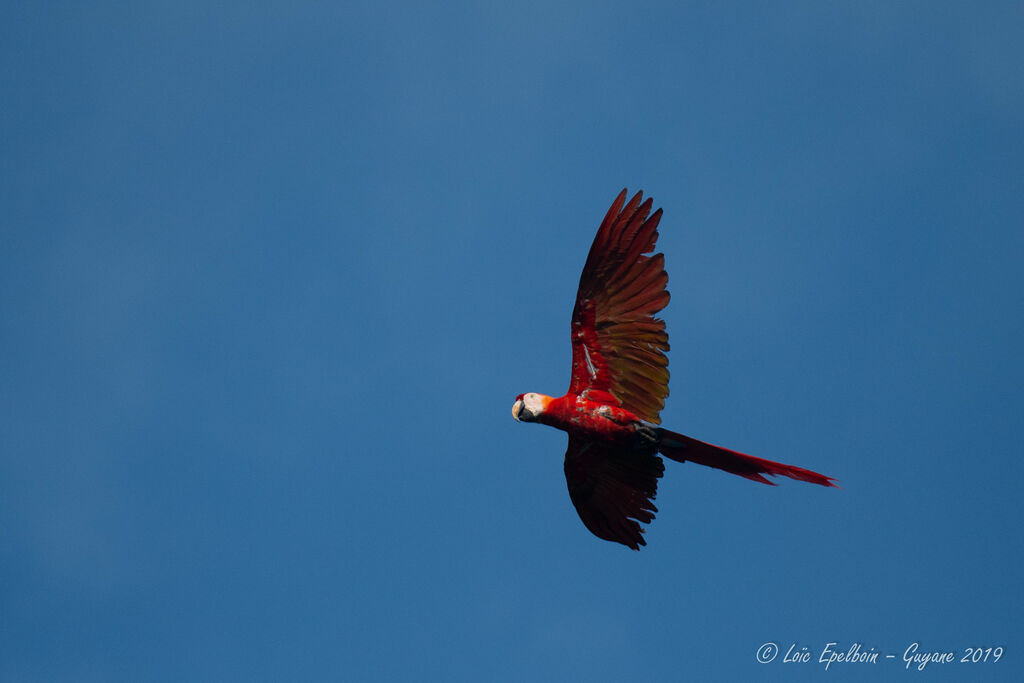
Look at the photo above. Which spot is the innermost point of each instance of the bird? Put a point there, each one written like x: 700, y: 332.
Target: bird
x: 619, y: 383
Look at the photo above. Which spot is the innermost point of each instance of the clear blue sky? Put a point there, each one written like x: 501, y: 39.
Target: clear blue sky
x: 271, y: 276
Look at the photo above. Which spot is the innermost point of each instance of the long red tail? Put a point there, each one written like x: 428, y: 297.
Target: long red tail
x: 682, y: 448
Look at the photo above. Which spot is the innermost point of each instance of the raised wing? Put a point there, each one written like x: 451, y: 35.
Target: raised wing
x: 612, y: 489
x: 618, y: 346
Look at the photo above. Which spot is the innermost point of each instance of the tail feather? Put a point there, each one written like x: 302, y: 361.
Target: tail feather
x: 682, y: 448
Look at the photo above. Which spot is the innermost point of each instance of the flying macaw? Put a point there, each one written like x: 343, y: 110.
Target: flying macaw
x: 619, y: 384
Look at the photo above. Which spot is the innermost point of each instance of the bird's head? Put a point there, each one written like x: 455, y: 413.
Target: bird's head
x: 528, y: 407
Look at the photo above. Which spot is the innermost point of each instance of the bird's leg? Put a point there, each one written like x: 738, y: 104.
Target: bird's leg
x: 647, y: 433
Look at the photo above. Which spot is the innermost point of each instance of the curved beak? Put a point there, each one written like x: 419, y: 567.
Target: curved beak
x: 517, y: 408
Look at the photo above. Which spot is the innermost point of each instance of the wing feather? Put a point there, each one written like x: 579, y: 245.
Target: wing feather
x: 618, y: 346
x: 613, y: 489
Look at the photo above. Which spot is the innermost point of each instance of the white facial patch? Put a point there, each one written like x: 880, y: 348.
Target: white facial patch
x: 533, y: 403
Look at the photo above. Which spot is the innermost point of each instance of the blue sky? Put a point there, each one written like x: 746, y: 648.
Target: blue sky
x: 271, y: 276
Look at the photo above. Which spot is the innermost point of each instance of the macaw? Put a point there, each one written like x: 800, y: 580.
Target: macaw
x: 619, y: 384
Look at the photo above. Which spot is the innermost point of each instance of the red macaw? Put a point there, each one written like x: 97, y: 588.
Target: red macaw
x: 619, y: 384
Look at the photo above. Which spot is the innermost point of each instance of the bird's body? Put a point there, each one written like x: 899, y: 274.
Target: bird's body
x: 619, y: 384
x: 594, y: 420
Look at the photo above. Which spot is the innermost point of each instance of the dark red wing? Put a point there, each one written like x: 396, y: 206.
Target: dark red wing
x: 618, y: 346
x: 612, y: 489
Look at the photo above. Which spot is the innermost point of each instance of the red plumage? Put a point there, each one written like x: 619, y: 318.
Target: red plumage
x: 619, y: 384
